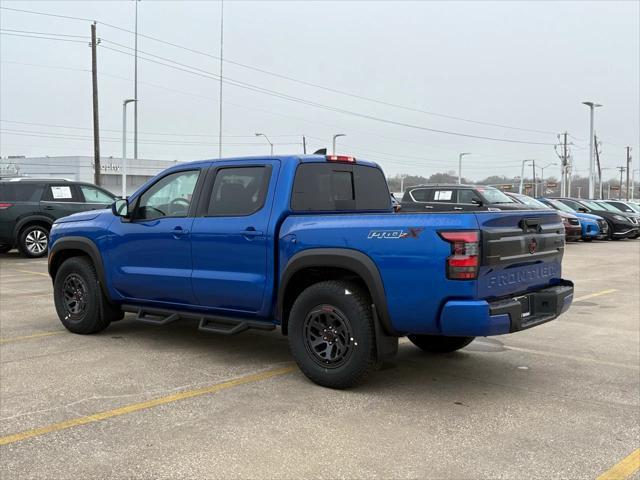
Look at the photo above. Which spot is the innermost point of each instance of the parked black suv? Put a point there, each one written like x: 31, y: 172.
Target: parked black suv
x: 454, y: 197
x: 28, y: 208
x: 621, y: 225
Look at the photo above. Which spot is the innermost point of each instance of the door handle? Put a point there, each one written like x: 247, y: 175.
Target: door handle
x: 251, y: 232
x: 179, y: 232
x: 457, y: 208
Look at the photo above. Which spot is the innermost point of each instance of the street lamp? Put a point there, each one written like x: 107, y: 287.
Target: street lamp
x: 522, y: 174
x: 334, y: 140
x: 535, y: 193
x: 592, y: 106
x: 267, y: 139
x: 460, y: 166
x: 124, y: 145
x: 633, y: 181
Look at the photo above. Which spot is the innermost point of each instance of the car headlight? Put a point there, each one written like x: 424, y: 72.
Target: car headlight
x: 620, y: 218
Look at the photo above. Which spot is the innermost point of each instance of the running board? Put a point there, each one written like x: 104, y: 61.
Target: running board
x: 208, y: 323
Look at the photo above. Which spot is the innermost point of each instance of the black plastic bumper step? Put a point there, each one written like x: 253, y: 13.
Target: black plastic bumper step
x: 208, y: 323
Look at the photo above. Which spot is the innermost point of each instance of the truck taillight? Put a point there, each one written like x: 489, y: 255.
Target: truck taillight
x: 464, y: 261
x: 4, y: 206
x: 340, y: 158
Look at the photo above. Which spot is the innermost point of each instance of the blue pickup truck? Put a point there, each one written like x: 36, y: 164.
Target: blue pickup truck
x: 309, y: 244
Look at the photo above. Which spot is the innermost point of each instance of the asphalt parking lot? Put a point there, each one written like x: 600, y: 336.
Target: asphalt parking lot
x: 136, y: 401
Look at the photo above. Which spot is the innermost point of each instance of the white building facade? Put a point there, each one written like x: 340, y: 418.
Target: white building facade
x: 81, y: 169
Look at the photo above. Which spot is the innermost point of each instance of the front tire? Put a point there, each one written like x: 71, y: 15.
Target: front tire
x: 440, y: 343
x: 80, y: 303
x: 33, y: 241
x: 331, y: 334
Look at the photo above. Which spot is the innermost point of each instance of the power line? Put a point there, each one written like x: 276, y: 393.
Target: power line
x: 145, y: 133
x: 52, y: 34
x: 296, y: 80
x: 69, y: 40
x: 203, y: 73
x: 268, y: 112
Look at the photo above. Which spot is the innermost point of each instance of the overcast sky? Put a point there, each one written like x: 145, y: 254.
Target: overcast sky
x: 523, y: 65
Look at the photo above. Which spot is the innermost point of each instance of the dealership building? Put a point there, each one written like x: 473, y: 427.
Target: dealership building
x: 80, y: 169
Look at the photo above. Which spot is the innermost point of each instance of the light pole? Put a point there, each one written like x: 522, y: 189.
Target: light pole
x: 402, y: 177
x: 592, y: 106
x: 334, y: 140
x: 535, y: 193
x: 124, y: 145
x: 633, y: 181
x: 267, y: 139
x: 522, y: 174
x: 460, y: 166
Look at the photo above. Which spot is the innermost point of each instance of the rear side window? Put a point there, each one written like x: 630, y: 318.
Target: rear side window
x: 239, y: 191
x: 447, y: 195
x: 338, y: 187
x: 61, y: 193
x: 20, y: 192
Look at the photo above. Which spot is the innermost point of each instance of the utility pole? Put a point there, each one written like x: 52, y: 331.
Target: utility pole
x: 565, y: 167
x: 622, y: 169
x: 460, y: 166
x: 96, y: 126
x: 535, y: 186
x: 628, y: 170
x: 135, y: 87
x: 579, y: 189
x: 221, y: 50
x: 304, y: 145
x: 595, y: 139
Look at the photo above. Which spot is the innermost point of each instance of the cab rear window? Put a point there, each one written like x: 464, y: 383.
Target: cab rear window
x: 339, y: 187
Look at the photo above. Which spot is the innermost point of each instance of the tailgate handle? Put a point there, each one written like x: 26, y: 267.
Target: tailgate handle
x: 528, y: 224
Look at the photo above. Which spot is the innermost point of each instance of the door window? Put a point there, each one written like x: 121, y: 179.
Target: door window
x: 61, y: 193
x: 168, y: 197
x: 468, y: 196
x: 239, y: 191
x: 95, y: 195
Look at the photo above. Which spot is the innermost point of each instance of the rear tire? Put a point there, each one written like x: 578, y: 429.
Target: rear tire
x: 5, y: 248
x: 440, y: 343
x: 331, y: 334
x: 33, y: 241
x: 80, y: 303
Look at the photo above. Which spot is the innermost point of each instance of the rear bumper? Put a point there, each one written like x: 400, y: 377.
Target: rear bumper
x: 479, y: 318
x: 573, y: 232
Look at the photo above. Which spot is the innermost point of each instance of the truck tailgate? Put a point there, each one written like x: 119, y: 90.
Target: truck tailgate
x: 521, y: 251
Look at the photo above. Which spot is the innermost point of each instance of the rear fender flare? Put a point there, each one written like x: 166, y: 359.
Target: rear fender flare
x: 347, y: 259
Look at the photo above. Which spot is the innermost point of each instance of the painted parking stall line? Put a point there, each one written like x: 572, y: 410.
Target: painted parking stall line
x: 135, y: 407
x: 596, y: 294
x: 624, y: 468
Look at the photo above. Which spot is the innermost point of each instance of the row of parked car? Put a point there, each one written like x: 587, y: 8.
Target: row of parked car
x: 28, y: 208
x: 582, y: 219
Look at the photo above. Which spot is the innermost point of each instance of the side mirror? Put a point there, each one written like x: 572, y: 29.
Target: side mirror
x: 120, y: 208
x: 582, y: 210
x: 477, y: 202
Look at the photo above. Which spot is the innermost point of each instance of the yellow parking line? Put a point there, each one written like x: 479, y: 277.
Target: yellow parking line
x: 596, y: 294
x: 624, y: 468
x: 116, y: 412
x: 29, y: 337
